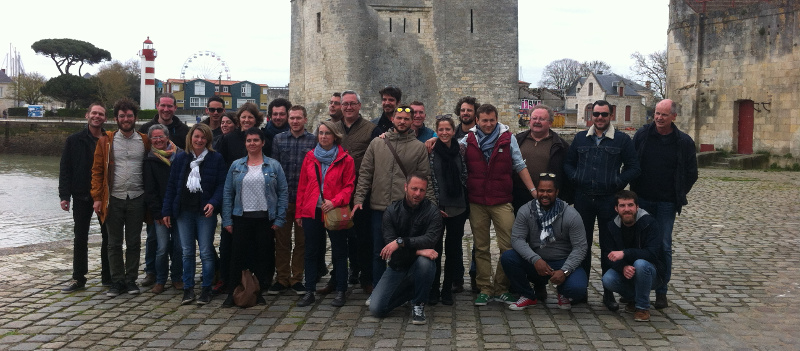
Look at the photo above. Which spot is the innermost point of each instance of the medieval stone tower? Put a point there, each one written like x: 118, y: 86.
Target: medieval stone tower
x: 435, y: 51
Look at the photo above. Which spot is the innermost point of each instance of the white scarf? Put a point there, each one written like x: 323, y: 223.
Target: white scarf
x: 193, y: 182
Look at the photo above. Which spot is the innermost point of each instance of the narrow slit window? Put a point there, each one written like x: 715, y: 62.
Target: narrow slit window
x: 390, y: 24
x: 471, y: 22
x: 319, y: 22
x: 404, y: 25
x: 419, y: 25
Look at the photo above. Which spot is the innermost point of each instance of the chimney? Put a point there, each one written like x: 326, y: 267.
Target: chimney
x: 600, y: 73
x: 647, y: 84
x: 3, y: 70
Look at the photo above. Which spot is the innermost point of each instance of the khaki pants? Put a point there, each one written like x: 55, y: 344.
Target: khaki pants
x: 480, y: 219
x: 289, y: 264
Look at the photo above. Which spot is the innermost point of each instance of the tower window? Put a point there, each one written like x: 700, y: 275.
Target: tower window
x: 404, y: 25
x: 319, y: 22
x: 390, y: 24
x: 419, y: 25
x: 471, y: 22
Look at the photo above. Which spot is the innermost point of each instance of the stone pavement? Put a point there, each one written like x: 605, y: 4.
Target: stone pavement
x: 735, y: 287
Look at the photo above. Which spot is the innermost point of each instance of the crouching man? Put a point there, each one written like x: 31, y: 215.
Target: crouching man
x: 548, y: 243
x: 636, y: 255
x: 411, y: 228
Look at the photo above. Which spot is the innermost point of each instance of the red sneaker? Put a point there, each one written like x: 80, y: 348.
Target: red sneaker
x: 521, y: 304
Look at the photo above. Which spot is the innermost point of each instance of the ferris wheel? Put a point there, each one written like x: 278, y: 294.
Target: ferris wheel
x: 206, y: 65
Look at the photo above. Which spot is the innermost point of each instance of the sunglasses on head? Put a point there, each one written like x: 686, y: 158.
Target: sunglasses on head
x: 598, y: 114
x: 449, y: 115
x: 551, y: 175
x: 406, y: 110
x: 217, y: 110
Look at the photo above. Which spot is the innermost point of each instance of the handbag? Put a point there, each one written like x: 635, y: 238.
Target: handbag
x: 245, y: 295
x: 338, y: 218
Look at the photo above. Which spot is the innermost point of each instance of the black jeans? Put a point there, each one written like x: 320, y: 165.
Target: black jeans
x: 253, y: 247
x: 451, y: 241
x: 314, y: 229
x: 124, y: 223
x: 82, y: 211
x: 589, y: 207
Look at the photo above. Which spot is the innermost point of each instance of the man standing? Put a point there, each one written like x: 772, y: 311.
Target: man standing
x: 390, y: 98
x: 422, y: 132
x: 635, y: 253
x: 357, y: 134
x: 177, y: 134
x: 335, y: 107
x: 548, y: 244
x: 215, y: 108
x: 600, y: 162
x: 117, y: 191
x: 669, y: 170
x: 278, y: 112
x: 387, y: 162
x: 75, y: 181
x: 166, y: 116
x: 492, y: 155
x: 544, y: 151
x: 289, y: 149
x: 465, y: 110
x: 411, y: 227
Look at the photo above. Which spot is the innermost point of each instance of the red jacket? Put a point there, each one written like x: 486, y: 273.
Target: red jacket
x: 338, y: 184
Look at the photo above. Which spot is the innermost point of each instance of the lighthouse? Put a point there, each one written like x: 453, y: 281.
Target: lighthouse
x: 148, y: 83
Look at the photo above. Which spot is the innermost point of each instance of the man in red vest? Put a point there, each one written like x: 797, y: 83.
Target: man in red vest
x: 492, y: 154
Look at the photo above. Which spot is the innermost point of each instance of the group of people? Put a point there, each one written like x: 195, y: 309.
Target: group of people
x: 411, y: 189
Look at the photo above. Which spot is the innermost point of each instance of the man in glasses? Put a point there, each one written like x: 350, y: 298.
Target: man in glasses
x: 669, y: 170
x: 600, y: 162
x: 177, y: 134
x: 386, y: 164
x: 549, y: 243
x: 335, y: 107
x: 215, y: 108
x: 390, y: 98
x: 422, y: 132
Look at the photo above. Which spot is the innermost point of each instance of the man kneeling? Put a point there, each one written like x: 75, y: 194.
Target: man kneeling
x: 635, y: 250
x: 549, y: 243
x: 411, y: 228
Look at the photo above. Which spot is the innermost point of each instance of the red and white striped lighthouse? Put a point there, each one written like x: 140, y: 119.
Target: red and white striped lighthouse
x: 148, y: 84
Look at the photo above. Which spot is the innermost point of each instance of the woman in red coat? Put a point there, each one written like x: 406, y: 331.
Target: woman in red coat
x: 329, y: 162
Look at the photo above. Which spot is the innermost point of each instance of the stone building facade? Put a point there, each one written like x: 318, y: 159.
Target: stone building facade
x: 628, y: 100
x: 435, y: 51
x: 734, y: 68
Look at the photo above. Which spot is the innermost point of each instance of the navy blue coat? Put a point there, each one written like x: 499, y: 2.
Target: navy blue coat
x: 213, y: 171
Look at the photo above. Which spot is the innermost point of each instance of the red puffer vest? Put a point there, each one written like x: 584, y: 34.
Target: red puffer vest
x: 489, y: 183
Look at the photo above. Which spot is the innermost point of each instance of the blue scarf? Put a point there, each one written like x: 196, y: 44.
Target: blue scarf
x: 325, y: 157
x: 486, y: 142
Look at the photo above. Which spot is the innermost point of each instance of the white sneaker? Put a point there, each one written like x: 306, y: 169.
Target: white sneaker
x: 366, y: 303
x: 564, y: 303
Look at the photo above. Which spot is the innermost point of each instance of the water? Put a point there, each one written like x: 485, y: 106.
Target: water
x: 29, y: 205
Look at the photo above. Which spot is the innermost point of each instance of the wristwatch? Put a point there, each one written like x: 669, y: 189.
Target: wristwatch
x: 400, y: 242
x: 531, y: 190
x: 567, y: 272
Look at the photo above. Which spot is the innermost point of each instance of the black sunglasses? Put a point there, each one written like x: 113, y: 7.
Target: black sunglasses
x: 598, y: 114
x: 449, y: 115
x: 217, y: 110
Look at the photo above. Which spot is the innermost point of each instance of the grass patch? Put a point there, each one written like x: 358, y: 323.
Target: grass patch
x: 684, y: 312
x: 300, y: 323
x: 13, y: 332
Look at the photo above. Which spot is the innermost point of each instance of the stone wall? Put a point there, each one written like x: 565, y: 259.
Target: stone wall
x: 717, y: 60
x: 434, y: 51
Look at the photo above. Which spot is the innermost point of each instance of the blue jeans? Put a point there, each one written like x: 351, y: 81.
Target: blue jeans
x: 638, y: 288
x: 168, y: 249
x: 194, y: 226
x: 664, y: 213
x: 378, y: 264
x: 398, y: 286
x: 591, y: 207
x: 150, y: 248
x: 314, y: 231
x: 518, y: 270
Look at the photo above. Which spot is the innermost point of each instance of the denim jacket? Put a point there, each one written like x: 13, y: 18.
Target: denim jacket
x: 595, y: 169
x: 276, y: 191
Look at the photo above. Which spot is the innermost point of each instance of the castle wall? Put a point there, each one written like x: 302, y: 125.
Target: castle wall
x: 434, y: 51
x: 744, y: 53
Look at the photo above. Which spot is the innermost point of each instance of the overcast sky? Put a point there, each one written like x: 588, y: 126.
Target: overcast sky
x: 252, y: 37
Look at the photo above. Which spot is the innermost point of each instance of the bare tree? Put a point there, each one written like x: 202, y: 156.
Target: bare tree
x: 652, y: 68
x: 596, y: 67
x: 27, y: 87
x: 560, y: 74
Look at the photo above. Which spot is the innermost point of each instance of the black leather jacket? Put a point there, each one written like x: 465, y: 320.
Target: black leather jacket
x: 420, y: 228
x: 75, y: 174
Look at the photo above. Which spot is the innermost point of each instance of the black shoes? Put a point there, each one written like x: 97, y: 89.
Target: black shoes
x: 446, y: 298
x: 352, y: 278
x: 609, y: 301
x: 276, y: 289
x: 115, y: 290
x: 339, y: 300
x: 188, y: 296
x: 457, y: 288
x: 228, y: 303
x: 132, y: 288
x: 307, y: 299
x: 260, y: 300
x: 433, y: 297
x: 299, y: 288
x: 75, y: 286
x: 418, y: 314
x: 661, y: 301
x: 205, y: 296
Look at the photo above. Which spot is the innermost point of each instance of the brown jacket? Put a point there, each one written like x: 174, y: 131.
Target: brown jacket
x: 103, y: 170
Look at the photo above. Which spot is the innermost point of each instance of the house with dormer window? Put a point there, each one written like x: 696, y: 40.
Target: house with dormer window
x: 628, y: 99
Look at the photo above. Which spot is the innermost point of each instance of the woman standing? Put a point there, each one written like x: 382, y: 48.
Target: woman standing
x: 227, y: 124
x: 155, y: 171
x: 254, y: 205
x: 449, y: 177
x: 194, y: 197
x: 330, y: 168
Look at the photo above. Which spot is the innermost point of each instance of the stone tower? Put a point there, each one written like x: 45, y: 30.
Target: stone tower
x: 435, y: 51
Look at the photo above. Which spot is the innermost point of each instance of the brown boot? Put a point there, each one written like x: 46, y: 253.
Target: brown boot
x: 157, y: 289
x: 149, y: 279
x: 641, y: 315
x: 177, y: 285
x: 329, y: 288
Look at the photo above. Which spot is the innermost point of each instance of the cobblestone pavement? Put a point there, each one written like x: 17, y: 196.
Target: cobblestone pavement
x: 735, y: 286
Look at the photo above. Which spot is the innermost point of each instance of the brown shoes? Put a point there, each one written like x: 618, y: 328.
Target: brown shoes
x: 148, y: 280
x: 641, y: 315
x: 326, y: 290
x: 177, y: 285
x: 157, y: 289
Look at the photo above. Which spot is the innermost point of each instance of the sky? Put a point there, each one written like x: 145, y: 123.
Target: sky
x: 254, y: 41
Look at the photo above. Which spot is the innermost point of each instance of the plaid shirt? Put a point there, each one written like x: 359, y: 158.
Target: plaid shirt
x: 290, y: 152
